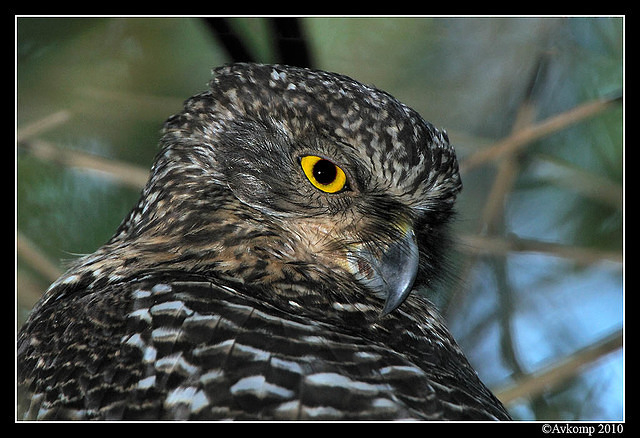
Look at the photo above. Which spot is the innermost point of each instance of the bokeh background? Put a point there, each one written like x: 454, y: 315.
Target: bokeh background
x: 533, y: 105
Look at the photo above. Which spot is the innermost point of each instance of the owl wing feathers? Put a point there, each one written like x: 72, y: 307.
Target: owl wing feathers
x: 190, y: 349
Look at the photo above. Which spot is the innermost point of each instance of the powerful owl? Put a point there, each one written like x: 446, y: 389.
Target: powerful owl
x: 267, y: 271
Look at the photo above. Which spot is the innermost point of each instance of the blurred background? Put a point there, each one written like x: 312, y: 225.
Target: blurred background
x: 533, y: 106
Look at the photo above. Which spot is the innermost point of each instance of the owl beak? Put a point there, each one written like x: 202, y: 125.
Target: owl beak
x: 389, y: 274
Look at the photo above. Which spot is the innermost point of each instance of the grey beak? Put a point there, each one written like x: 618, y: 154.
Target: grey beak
x: 389, y: 274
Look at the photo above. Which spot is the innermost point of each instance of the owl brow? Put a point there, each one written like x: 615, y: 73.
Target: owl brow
x: 355, y: 173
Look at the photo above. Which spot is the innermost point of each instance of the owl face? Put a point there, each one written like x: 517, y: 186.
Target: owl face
x: 355, y: 180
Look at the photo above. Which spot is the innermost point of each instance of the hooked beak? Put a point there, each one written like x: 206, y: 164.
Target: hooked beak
x: 389, y: 274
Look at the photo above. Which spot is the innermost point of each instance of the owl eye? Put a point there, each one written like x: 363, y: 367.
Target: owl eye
x: 323, y: 174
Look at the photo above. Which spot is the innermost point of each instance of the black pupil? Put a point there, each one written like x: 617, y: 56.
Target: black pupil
x: 325, y: 172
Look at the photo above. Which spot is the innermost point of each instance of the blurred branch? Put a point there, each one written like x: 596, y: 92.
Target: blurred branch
x: 492, y: 213
x: 39, y: 126
x: 229, y: 39
x: 475, y: 244
x: 585, y: 183
x: 494, y: 223
x: 530, y: 133
x: 290, y: 42
x: 124, y: 104
x: 508, y: 168
x: 31, y: 287
x: 535, y: 383
x: 34, y: 257
x: 30, y: 290
x: 505, y: 152
x: 125, y: 173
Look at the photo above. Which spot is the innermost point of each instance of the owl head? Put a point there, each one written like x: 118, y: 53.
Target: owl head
x: 317, y: 174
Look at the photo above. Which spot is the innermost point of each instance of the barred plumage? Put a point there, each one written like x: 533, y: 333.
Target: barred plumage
x: 236, y: 289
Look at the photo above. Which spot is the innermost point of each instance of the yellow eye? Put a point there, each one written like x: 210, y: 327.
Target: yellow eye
x: 323, y: 174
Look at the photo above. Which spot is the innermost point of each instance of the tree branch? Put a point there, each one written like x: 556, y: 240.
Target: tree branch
x: 475, y: 244
x: 530, y: 133
x: 123, y: 172
x: 535, y: 383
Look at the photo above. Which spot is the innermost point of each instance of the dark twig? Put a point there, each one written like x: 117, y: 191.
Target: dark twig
x: 229, y: 39
x: 291, y: 44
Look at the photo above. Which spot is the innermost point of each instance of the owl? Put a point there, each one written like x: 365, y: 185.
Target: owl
x: 271, y: 270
